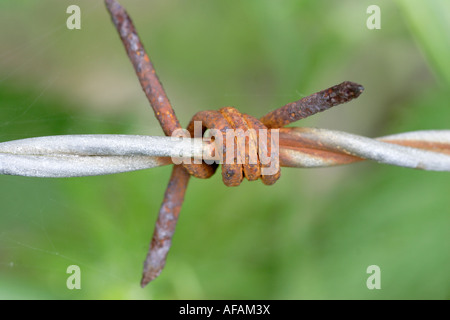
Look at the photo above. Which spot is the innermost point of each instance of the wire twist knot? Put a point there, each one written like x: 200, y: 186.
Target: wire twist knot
x: 252, y: 144
x: 233, y: 171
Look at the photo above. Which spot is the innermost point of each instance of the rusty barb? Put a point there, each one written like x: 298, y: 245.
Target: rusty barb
x: 86, y: 155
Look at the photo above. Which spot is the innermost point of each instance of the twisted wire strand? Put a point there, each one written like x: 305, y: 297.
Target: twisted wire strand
x: 231, y: 173
x: 88, y: 155
x: 312, y: 147
x: 234, y: 169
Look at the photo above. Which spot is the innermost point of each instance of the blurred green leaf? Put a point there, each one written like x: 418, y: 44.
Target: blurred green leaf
x: 430, y: 24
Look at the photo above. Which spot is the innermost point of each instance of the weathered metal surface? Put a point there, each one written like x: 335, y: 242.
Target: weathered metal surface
x: 169, y: 123
x: 308, y: 106
x: 394, y: 150
x: 165, y: 225
x: 87, y: 155
x: 237, y: 161
x: 144, y: 68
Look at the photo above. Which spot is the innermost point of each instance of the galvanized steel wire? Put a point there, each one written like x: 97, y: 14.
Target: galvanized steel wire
x: 89, y: 155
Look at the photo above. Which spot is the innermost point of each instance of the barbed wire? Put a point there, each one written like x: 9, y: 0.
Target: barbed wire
x: 312, y: 147
x: 87, y: 155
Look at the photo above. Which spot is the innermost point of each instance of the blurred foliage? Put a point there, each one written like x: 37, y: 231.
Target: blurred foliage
x: 312, y: 235
x: 430, y: 22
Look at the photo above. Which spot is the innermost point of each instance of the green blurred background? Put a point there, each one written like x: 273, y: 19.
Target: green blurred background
x: 310, y: 236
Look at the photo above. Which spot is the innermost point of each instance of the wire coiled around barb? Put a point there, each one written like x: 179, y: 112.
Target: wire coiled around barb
x: 238, y: 160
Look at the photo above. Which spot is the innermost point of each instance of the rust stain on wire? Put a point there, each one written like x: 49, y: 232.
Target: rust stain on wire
x: 144, y: 68
x: 317, y: 102
x: 298, y: 147
x: 170, y: 208
x: 425, y: 145
x: 165, y: 225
